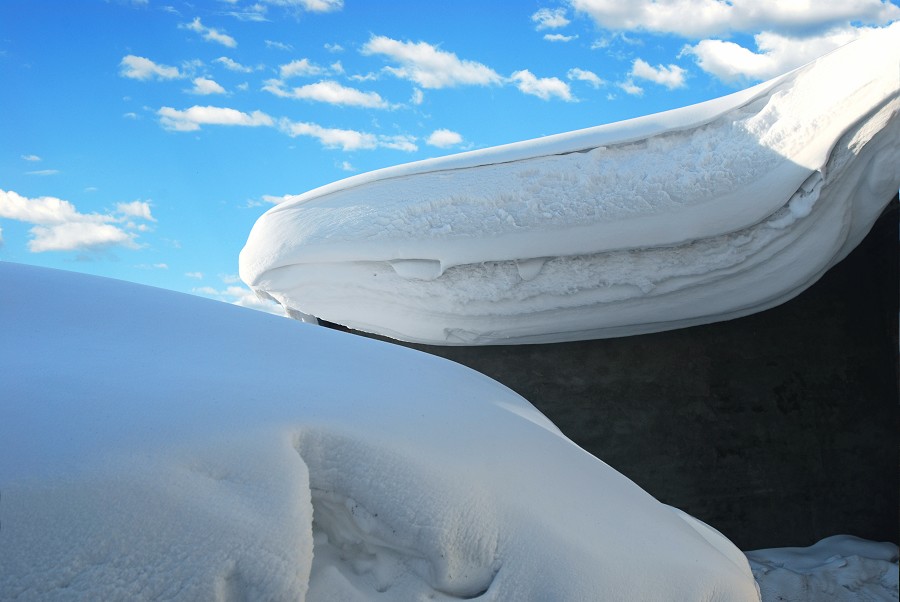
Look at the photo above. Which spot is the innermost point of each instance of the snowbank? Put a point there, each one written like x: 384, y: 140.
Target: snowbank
x: 691, y: 216
x: 841, y: 568
x: 155, y: 445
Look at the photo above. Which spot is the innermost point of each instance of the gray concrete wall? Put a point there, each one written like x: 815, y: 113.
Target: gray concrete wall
x: 778, y: 429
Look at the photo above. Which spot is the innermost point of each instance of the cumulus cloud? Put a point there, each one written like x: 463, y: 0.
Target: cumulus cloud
x: 137, y: 209
x: 547, y: 18
x: 299, y: 67
x: 191, y: 119
x: 586, y: 76
x: 776, y: 54
x: 205, y: 86
x: 629, y: 87
x: 210, y: 34
x: 232, y: 65
x: 671, y: 76
x: 58, y: 226
x: 139, y: 67
x: 702, y: 18
x: 444, y: 138
x: 429, y: 66
x: 347, y: 140
x: 542, y: 87
x: 330, y: 92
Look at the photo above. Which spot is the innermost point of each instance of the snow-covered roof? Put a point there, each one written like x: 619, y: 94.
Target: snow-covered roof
x: 690, y: 216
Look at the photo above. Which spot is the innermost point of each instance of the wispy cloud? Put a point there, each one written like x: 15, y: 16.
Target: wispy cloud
x: 58, y: 226
x: 330, y: 92
x: 210, y: 34
x: 240, y: 295
x: 204, y: 86
x: 547, y: 18
x: 671, y: 76
x: 232, y: 65
x: 347, y: 140
x: 278, y: 45
x: 429, y: 66
x: 629, y: 87
x: 194, y: 275
x: 542, y: 87
x: 139, y: 67
x: 313, y: 6
x: 558, y: 37
x: 584, y: 75
x: 32, y: 158
x: 42, y: 172
x: 444, y: 138
x: 191, y: 119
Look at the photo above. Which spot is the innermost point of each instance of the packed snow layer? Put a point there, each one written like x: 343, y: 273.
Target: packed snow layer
x: 838, y: 569
x: 695, y: 215
x: 155, y: 445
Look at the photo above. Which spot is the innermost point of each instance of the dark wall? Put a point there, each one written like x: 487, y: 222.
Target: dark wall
x: 778, y: 429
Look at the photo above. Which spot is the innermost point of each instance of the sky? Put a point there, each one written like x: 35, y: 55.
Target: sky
x: 141, y: 139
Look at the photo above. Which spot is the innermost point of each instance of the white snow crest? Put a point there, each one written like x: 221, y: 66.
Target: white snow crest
x: 690, y: 215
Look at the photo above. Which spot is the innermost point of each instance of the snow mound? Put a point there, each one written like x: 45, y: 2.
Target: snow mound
x: 155, y: 445
x: 695, y: 215
x: 841, y: 568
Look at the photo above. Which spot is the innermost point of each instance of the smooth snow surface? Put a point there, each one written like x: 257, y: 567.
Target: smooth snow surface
x: 837, y: 569
x: 691, y: 216
x: 159, y: 446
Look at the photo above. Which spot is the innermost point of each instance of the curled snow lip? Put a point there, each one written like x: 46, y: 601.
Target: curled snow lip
x: 808, y: 154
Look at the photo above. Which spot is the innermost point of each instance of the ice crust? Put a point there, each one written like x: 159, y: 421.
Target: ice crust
x: 841, y: 568
x: 159, y: 446
x: 691, y: 216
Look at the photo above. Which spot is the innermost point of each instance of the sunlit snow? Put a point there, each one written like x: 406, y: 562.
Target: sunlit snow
x: 155, y: 445
x: 704, y: 213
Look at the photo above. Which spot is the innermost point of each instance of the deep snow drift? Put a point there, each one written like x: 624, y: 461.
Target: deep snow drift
x: 156, y: 445
x: 691, y: 216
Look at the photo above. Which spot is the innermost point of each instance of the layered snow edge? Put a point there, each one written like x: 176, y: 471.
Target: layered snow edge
x: 696, y: 215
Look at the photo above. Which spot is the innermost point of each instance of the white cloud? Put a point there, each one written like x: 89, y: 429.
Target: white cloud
x: 42, y: 172
x: 195, y: 275
x: 191, y: 119
x: 346, y: 166
x: 558, y: 37
x: 205, y: 86
x: 241, y: 296
x: 701, y: 18
x: 547, y: 18
x: 542, y: 87
x: 254, y: 12
x: 313, y: 6
x: 629, y: 87
x: 444, y: 138
x: 276, y: 200
x: 671, y: 76
x: 417, y: 96
x: 428, y: 66
x: 138, y: 209
x: 210, y: 34
x: 586, y: 76
x: 347, y: 140
x: 334, y: 47
x: 59, y: 226
x: 330, y: 92
x: 278, y: 45
x: 138, y: 67
x: 232, y: 65
x: 31, y: 158
x: 776, y: 54
x: 299, y: 68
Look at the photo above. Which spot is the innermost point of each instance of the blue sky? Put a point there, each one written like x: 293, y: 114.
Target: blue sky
x: 141, y: 139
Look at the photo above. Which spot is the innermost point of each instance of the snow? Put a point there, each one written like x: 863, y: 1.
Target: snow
x: 695, y: 215
x: 156, y: 445
x: 839, y: 568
